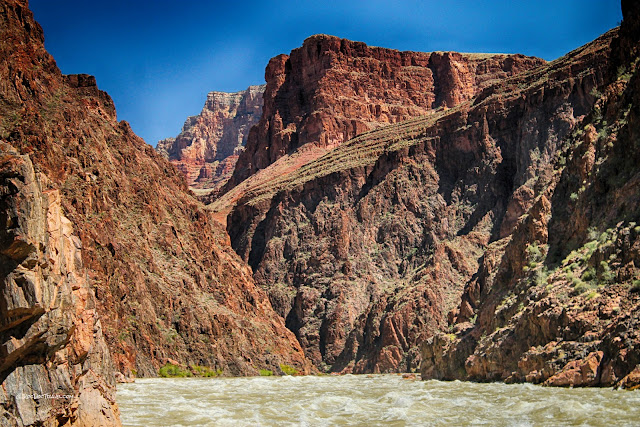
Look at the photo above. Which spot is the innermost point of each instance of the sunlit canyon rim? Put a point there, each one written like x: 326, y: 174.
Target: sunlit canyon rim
x: 471, y: 216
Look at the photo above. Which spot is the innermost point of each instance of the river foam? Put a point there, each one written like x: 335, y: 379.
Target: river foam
x: 360, y: 400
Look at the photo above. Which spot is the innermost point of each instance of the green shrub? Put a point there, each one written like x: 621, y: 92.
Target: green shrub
x: 592, y: 295
x: 589, y: 275
x: 171, y: 371
x: 288, y: 370
x: 635, y: 286
x: 604, y: 236
x: 541, y: 276
x: 591, y: 247
x: 573, y: 197
x: 593, y: 233
x: 534, y: 252
x: 607, y: 275
x: 579, y: 286
x: 205, y: 371
x: 265, y: 373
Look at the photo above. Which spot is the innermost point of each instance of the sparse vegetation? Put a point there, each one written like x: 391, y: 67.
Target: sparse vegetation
x: 265, y: 373
x: 288, y: 370
x: 173, y: 371
x: 205, y: 371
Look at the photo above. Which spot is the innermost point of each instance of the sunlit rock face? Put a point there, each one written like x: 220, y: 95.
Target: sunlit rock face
x: 207, y: 149
x: 331, y: 89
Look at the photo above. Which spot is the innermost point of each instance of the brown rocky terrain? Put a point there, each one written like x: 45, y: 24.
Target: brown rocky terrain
x: 331, y: 89
x: 91, y: 209
x: 365, y: 246
x: 557, y: 301
x: 207, y: 149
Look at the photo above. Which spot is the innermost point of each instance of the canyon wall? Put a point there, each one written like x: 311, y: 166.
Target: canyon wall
x: 207, y: 149
x: 90, y: 209
x: 557, y: 301
x: 52, y: 341
x: 366, y: 246
x: 331, y: 89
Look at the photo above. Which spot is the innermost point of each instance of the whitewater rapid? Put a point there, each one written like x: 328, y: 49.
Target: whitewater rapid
x: 361, y: 400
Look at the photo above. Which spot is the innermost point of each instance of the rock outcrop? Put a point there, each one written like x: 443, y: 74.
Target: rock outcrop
x: 207, y: 149
x: 331, y: 89
x: 366, y: 246
x: 556, y: 301
x: 89, y: 208
x: 55, y: 367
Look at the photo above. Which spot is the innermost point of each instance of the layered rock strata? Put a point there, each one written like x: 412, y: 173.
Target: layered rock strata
x: 366, y: 247
x: 331, y: 89
x: 207, y: 149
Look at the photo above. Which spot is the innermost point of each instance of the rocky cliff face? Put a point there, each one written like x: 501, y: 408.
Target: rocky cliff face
x: 556, y: 302
x: 331, y: 89
x: 55, y: 367
x: 207, y: 149
x: 168, y: 286
x: 366, y: 246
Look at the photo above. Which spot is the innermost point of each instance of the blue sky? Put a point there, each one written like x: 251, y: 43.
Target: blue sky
x: 158, y: 59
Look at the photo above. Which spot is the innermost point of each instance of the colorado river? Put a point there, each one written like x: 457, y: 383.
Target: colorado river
x: 359, y: 400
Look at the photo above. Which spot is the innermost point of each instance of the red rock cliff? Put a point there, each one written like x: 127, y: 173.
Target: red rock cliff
x: 51, y: 339
x: 331, y: 89
x: 365, y: 248
x: 558, y: 301
x: 207, y: 149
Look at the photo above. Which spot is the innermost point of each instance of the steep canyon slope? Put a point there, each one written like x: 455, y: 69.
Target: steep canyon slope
x: 90, y: 208
x: 365, y: 246
x: 557, y: 301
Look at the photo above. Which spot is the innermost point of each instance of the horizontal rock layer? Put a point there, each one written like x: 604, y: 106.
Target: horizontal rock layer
x: 331, y: 89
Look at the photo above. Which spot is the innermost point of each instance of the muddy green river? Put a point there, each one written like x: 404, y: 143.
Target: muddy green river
x: 360, y: 400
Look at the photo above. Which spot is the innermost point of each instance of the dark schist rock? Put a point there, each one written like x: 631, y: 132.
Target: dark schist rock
x: 556, y: 301
x: 368, y: 246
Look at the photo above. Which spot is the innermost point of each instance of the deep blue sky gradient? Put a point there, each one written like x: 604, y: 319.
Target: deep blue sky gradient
x: 158, y: 59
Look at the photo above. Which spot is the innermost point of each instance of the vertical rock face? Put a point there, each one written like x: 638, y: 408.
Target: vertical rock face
x: 88, y: 206
x: 557, y: 301
x: 366, y: 248
x: 55, y: 367
x: 331, y: 89
x: 207, y: 149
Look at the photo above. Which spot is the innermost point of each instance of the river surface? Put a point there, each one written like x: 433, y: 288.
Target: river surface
x: 360, y: 400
